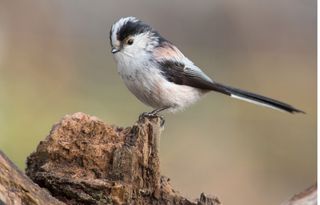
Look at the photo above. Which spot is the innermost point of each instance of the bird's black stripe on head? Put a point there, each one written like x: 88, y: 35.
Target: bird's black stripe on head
x: 160, y: 39
x: 132, y: 28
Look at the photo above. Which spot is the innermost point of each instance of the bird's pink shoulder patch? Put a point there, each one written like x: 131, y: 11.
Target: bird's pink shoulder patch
x: 167, y: 51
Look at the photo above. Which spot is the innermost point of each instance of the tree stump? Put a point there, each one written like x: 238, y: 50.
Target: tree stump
x: 86, y: 161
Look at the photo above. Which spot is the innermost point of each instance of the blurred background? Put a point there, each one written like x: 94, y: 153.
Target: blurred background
x: 55, y: 60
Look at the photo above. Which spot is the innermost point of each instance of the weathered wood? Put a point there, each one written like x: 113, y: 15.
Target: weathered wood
x: 86, y: 161
x: 17, y: 189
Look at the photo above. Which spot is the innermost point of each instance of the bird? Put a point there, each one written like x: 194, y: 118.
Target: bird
x: 162, y: 77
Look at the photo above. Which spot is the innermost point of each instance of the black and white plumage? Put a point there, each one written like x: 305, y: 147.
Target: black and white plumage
x: 160, y: 76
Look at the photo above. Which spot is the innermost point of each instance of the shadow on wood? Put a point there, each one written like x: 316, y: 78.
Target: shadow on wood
x: 86, y: 161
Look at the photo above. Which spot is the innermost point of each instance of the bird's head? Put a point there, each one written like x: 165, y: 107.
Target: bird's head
x: 130, y: 38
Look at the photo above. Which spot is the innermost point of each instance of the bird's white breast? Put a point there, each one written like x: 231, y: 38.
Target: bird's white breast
x: 144, y: 80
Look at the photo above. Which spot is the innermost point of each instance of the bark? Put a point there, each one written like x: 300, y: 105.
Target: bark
x: 17, y: 189
x: 86, y: 161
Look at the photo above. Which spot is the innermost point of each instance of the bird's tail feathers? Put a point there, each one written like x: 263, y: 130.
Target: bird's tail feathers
x: 254, y: 98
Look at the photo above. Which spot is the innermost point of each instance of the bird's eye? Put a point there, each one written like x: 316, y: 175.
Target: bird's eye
x: 130, y: 41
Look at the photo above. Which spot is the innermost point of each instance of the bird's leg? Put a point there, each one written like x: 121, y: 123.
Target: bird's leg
x: 156, y: 111
x: 153, y: 114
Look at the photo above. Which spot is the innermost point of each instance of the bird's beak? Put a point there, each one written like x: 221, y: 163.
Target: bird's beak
x: 114, y: 50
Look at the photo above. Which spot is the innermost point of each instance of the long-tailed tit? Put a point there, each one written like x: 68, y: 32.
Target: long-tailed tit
x: 160, y: 76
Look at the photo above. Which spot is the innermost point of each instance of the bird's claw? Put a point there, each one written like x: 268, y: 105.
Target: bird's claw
x: 147, y: 115
x: 151, y: 115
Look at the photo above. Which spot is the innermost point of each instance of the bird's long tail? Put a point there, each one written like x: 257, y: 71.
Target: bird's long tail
x: 254, y: 98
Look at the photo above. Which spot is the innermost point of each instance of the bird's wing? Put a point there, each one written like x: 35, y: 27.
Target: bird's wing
x: 178, y: 73
x: 176, y: 68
